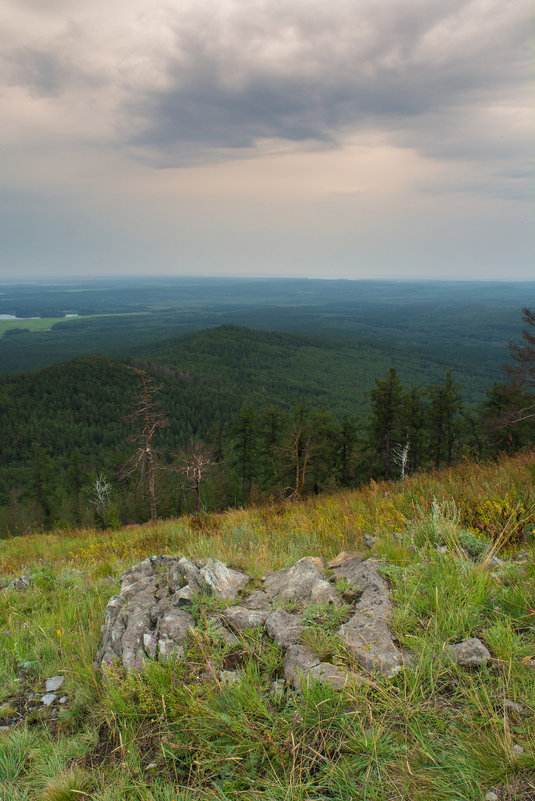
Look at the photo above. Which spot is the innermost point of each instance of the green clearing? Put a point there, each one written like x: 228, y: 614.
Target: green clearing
x: 46, y: 323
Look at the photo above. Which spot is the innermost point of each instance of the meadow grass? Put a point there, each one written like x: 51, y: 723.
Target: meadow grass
x: 176, y: 732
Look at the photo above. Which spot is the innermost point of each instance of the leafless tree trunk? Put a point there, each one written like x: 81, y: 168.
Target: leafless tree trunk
x: 195, y: 467
x: 150, y: 419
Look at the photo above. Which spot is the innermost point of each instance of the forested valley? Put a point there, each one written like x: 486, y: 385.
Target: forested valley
x: 235, y: 417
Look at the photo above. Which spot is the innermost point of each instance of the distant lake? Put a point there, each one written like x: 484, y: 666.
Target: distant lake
x: 14, y: 317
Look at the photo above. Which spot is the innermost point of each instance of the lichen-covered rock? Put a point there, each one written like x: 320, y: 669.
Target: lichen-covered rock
x: 150, y: 618
x: 302, y: 583
x: 284, y: 628
x: 469, y: 653
x: 342, y: 557
x: 238, y: 617
x: 366, y: 634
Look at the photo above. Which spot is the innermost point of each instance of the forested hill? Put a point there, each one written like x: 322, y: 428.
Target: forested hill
x: 244, y: 393
x: 334, y: 372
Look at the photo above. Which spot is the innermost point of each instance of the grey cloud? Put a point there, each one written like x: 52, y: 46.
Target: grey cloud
x: 315, y: 72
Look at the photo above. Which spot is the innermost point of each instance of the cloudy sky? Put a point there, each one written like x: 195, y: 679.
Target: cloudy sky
x: 334, y: 138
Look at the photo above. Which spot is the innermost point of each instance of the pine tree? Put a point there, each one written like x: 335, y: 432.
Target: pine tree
x: 384, y: 427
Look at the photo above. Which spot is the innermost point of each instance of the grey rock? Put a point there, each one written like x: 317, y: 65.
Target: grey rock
x: 144, y: 621
x: 54, y: 683
x: 490, y: 796
x: 48, y: 699
x: 238, y: 617
x: 521, y: 556
x: 369, y: 542
x: 518, y: 749
x: 514, y: 708
x: 5, y: 729
x: 182, y: 596
x: 21, y: 583
x: 172, y: 629
x: 369, y: 640
x: 495, y: 562
x: 330, y: 674
x: 469, y: 653
x: 192, y: 575
x: 285, y: 628
x: 301, y: 582
x: 298, y: 661
x: 63, y: 699
x: 366, y: 634
x: 442, y: 548
x: 225, y: 582
x: 257, y: 600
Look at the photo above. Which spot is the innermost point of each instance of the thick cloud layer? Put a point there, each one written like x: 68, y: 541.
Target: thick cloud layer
x: 89, y: 88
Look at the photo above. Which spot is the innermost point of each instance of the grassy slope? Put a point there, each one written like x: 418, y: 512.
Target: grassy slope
x: 435, y: 732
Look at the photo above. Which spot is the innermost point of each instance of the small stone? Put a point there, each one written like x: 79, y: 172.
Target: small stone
x: 516, y: 709
x: 63, y: 699
x: 152, y: 766
x: 369, y: 542
x: 48, y: 699
x: 442, y: 548
x: 469, y: 653
x: 518, y: 749
x: 490, y: 796
x: 54, y: 683
x: 5, y: 729
x: 495, y: 562
x: 521, y: 556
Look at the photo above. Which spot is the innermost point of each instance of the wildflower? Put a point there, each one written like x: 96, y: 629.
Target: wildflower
x: 59, y: 633
x: 497, y: 608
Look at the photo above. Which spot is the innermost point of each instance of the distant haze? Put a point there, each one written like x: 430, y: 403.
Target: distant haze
x: 390, y: 139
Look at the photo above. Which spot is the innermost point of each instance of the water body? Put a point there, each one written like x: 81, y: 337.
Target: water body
x: 14, y: 317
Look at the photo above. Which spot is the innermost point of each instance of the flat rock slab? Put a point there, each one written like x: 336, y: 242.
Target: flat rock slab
x: 54, y: 683
x: 284, y: 628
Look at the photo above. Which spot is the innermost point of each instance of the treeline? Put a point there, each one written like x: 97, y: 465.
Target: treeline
x: 67, y: 437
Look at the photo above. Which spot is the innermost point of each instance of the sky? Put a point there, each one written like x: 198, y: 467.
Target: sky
x: 321, y: 138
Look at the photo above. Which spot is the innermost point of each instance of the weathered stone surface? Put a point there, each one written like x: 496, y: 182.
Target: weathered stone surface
x: 331, y: 674
x: 48, y: 699
x: 224, y: 582
x: 469, y: 653
x: 298, y: 661
x: 285, y: 628
x: 229, y: 677
x: 366, y: 634
x: 54, y: 683
x: 257, y: 600
x: 303, y: 583
x: 513, y: 708
x: 238, y: 617
x: 149, y: 618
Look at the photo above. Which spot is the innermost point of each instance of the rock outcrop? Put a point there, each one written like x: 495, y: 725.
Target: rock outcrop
x: 151, y: 618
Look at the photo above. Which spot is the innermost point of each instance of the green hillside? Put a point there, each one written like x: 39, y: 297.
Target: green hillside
x: 223, y: 722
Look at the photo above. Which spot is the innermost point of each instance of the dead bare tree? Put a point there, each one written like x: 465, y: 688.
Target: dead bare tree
x: 297, y: 453
x: 150, y: 419
x: 195, y: 467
